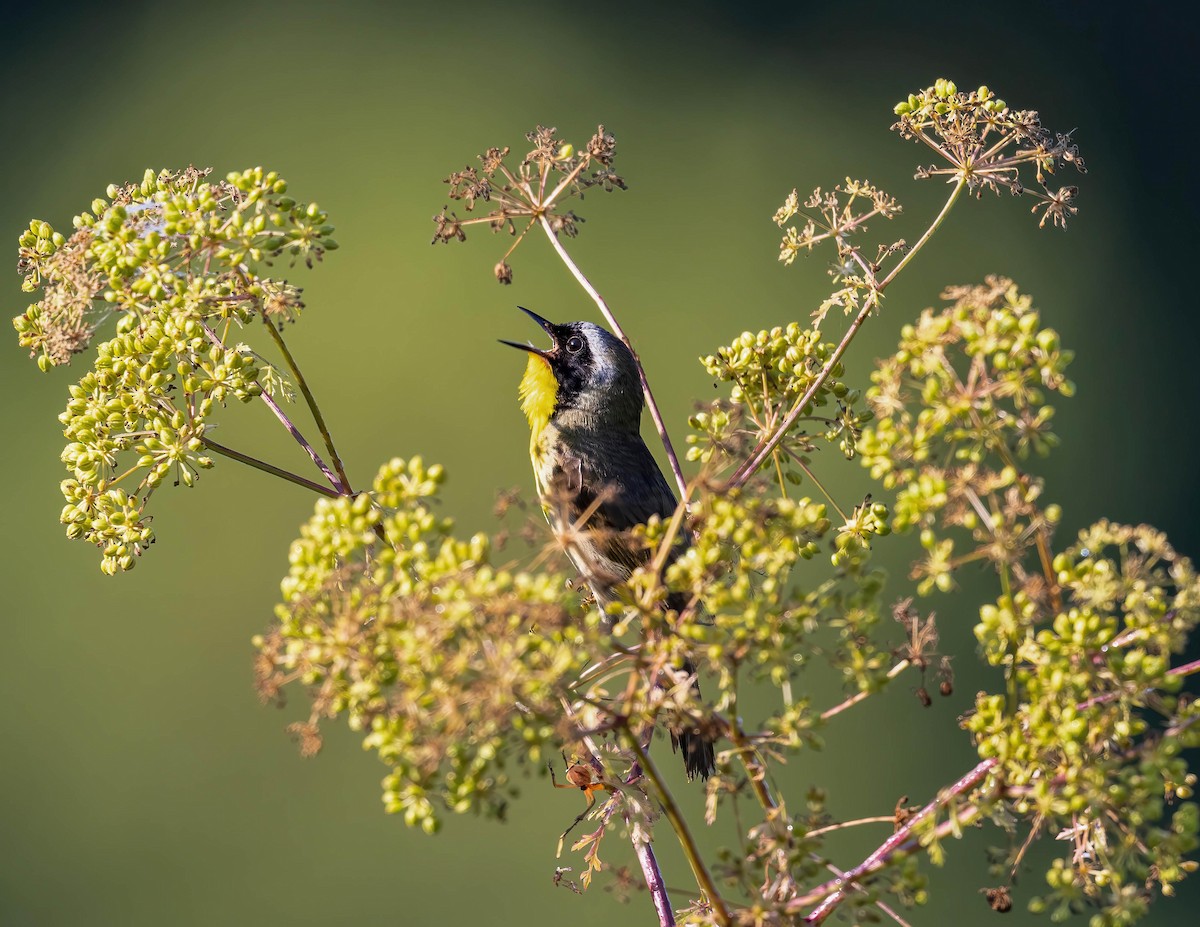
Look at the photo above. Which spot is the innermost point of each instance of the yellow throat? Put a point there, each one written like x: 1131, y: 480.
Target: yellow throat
x: 538, y: 392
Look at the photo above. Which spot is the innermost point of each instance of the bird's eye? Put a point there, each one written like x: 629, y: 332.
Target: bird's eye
x: 574, y: 344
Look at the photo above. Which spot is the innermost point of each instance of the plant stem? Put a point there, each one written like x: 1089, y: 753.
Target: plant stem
x: 547, y: 201
x: 686, y: 841
x: 860, y: 696
x: 886, y: 909
x: 310, y: 400
x: 812, y: 476
x: 620, y: 333
x: 830, y: 828
x: 756, y: 773
x: 834, y: 891
x: 960, y: 184
x: 902, y: 842
x: 334, y: 481
x: 654, y: 882
x: 765, y: 448
x: 267, y: 467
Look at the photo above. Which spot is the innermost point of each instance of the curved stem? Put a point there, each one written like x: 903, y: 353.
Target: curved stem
x: 860, y: 696
x: 267, y: 467
x: 765, y: 448
x: 830, y: 828
x: 309, y: 399
x: 703, y: 878
x: 271, y: 404
x: 834, y: 891
x: 655, y: 883
x: 620, y: 333
x: 960, y: 184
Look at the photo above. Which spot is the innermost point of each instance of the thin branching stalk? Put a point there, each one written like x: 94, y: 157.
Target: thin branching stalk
x: 655, y: 414
x: 756, y: 772
x: 835, y: 891
x: 959, y: 184
x: 830, y: 894
x: 860, y: 696
x: 767, y: 447
x: 812, y: 476
x: 704, y: 879
x: 885, y: 908
x: 267, y: 467
x: 310, y: 400
x: 654, y: 882
x: 287, y: 423
x: 857, y: 822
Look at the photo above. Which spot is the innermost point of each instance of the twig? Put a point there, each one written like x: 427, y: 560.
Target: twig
x: 830, y: 828
x: 655, y: 414
x: 885, y: 908
x: 649, y: 863
x: 859, y: 696
x: 834, y: 891
x: 334, y: 481
x: 765, y: 448
x: 644, y: 851
x: 267, y: 467
x: 756, y: 773
x: 902, y: 841
x: 703, y: 878
x: 310, y: 400
x: 654, y: 882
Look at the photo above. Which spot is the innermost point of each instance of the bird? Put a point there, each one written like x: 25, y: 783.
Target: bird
x: 595, y: 476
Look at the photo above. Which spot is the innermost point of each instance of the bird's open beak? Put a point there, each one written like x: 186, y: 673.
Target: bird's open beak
x: 547, y: 327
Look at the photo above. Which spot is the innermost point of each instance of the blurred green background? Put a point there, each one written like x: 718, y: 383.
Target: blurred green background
x: 141, y: 781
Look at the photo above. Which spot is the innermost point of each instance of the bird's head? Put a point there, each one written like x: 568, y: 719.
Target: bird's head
x: 586, y: 369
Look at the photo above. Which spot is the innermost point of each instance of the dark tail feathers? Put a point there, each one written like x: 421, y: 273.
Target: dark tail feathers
x: 699, y: 755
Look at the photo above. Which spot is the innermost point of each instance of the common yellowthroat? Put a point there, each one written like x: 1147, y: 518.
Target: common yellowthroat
x: 596, y: 478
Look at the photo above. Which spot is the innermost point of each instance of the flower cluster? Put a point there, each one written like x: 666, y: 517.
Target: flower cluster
x: 1085, y: 636
x: 989, y: 145
x: 175, y: 259
x: 750, y: 615
x: 450, y: 667
x: 1088, y: 743
x: 768, y: 372
x: 838, y: 216
x: 958, y: 407
x: 835, y: 215
x: 523, y: 194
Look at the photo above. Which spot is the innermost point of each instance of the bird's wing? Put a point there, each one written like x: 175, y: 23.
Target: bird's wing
x: 621, y: 487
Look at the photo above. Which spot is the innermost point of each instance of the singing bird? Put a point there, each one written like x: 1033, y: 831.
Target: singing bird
x: 596, y: 478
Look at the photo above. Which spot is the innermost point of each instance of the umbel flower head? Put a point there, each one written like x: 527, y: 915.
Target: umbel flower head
x: 176, y: 261
x: 990, y: 145
x: 531, y: 191
x: 451, y: 668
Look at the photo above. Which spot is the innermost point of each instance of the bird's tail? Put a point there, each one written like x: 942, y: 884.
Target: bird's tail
x: 697, y: 747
